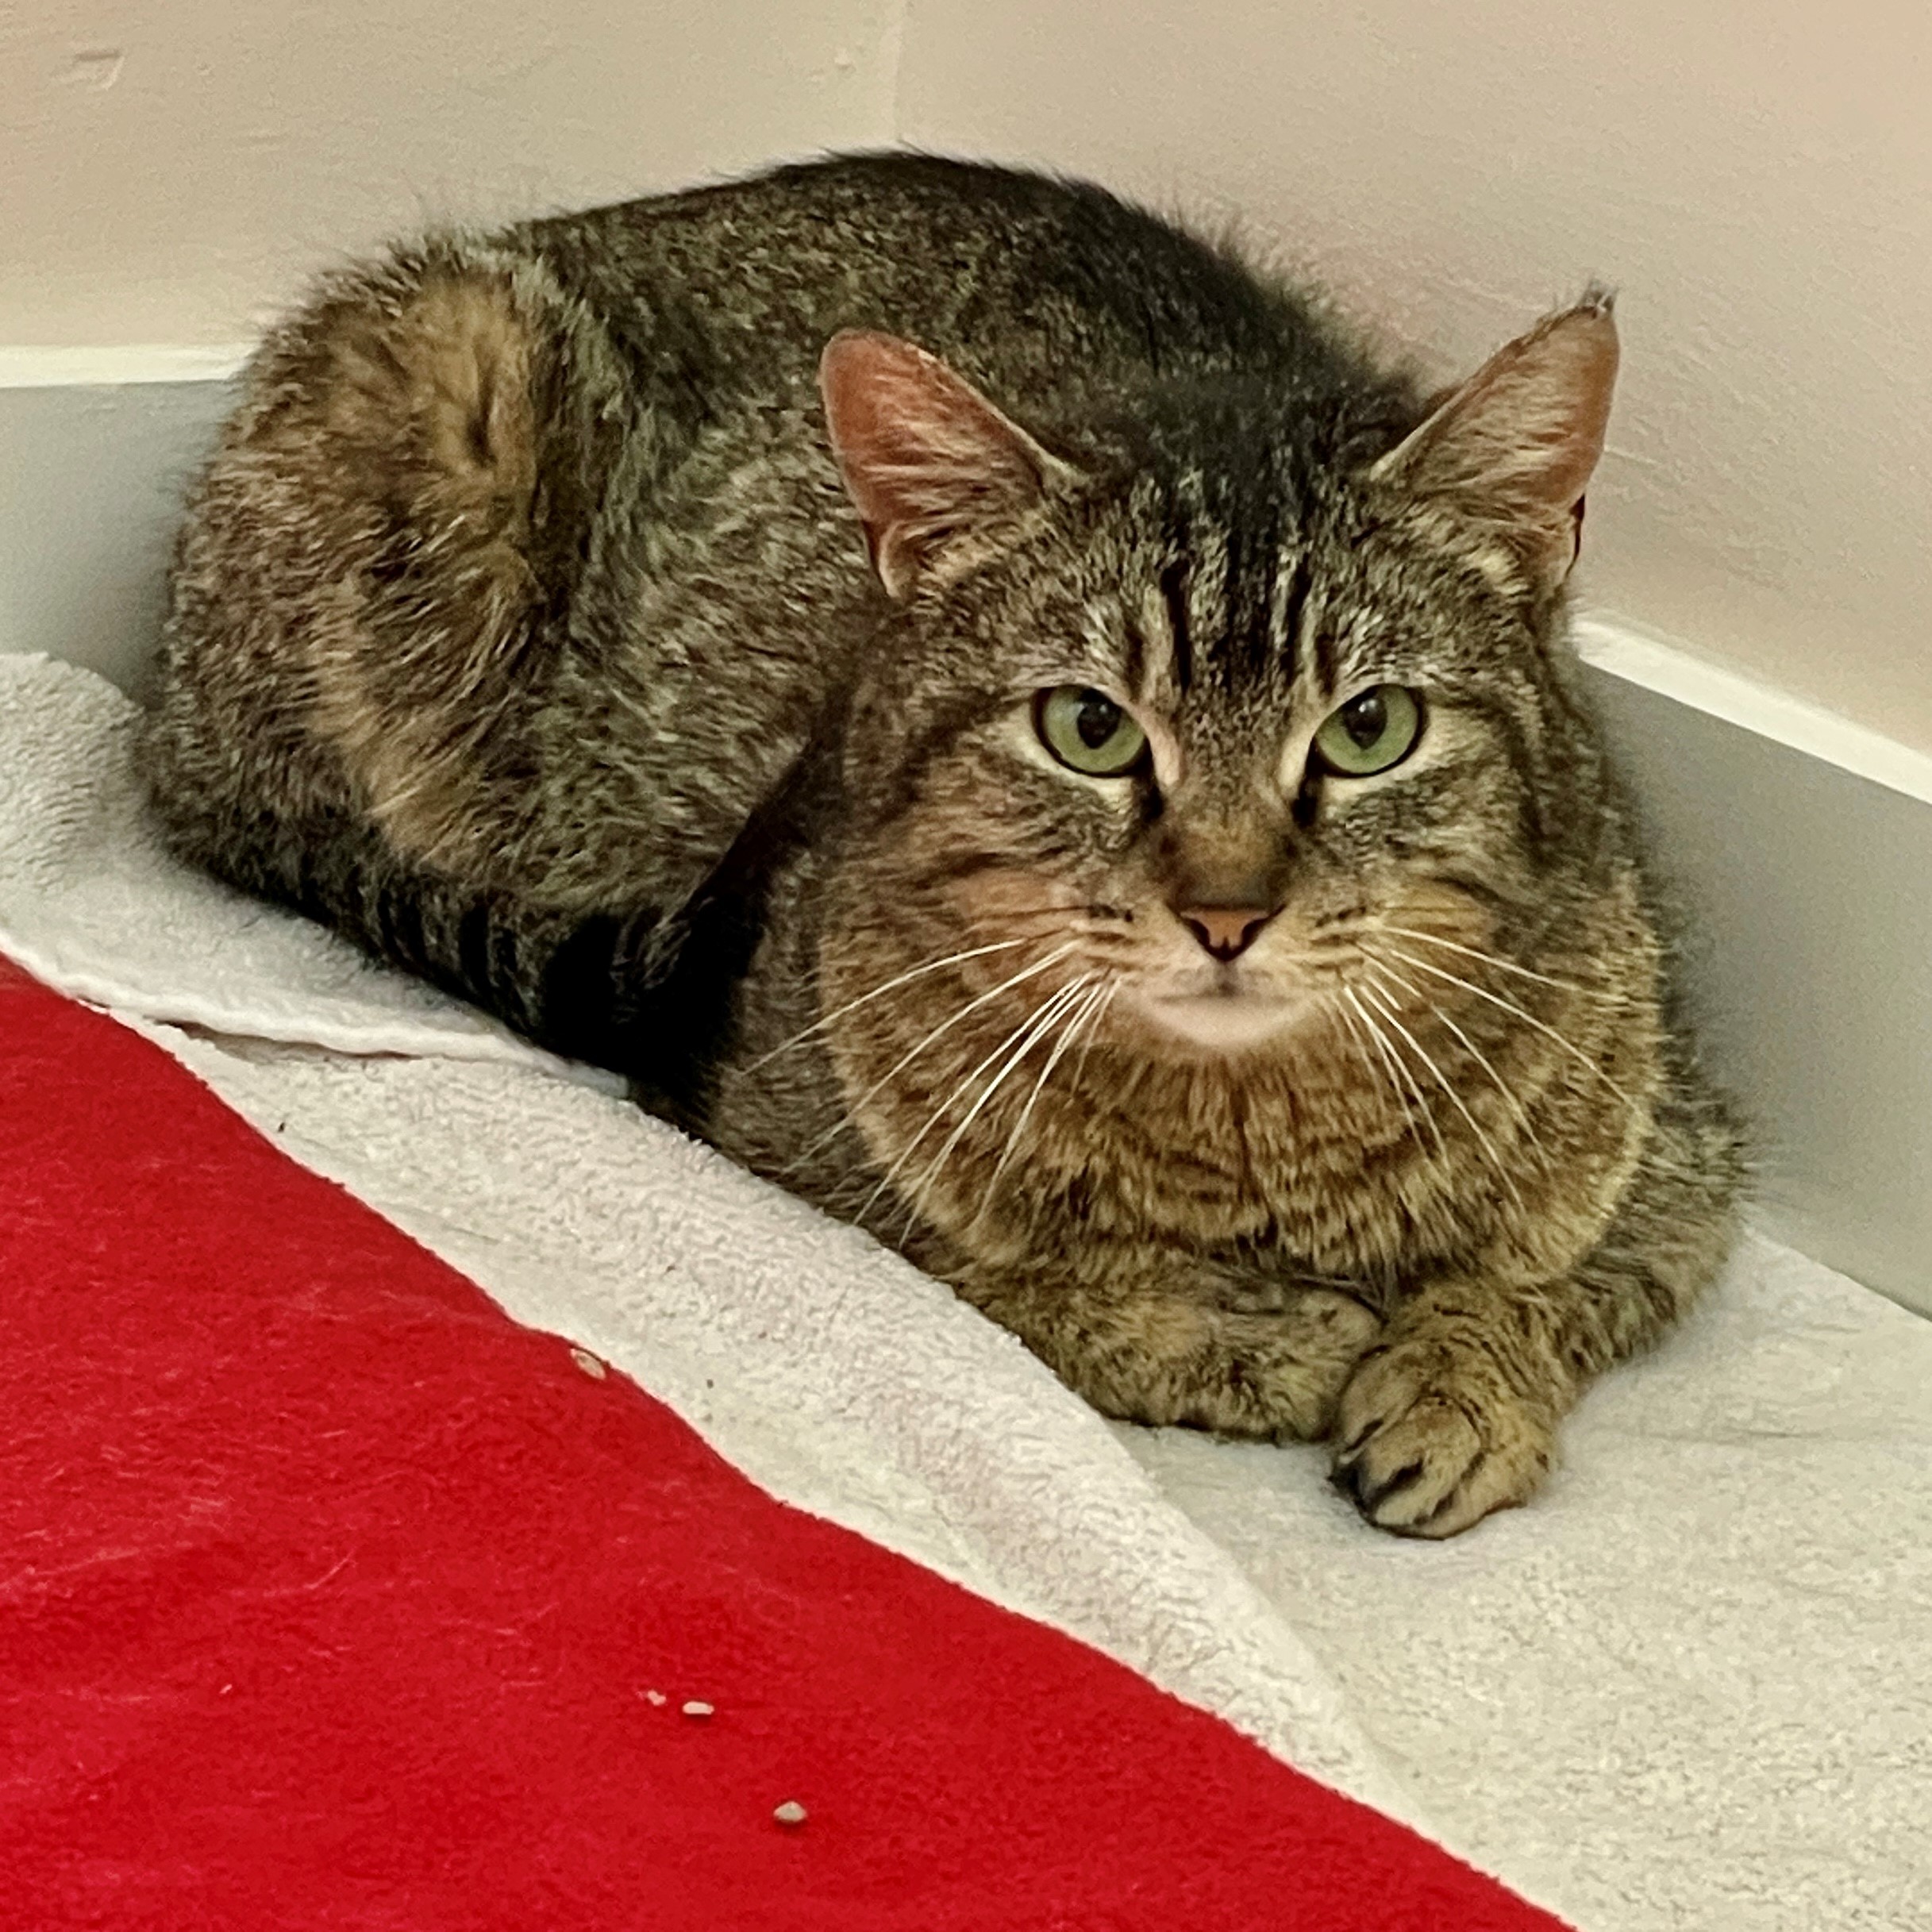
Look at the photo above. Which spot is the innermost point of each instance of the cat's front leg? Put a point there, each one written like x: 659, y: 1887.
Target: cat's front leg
x: 1454, y: 1413
x: 1450, y: 1416
x: 1172, y: 1352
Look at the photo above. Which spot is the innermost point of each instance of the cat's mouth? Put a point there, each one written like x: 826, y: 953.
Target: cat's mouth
x: 1228, y: 1017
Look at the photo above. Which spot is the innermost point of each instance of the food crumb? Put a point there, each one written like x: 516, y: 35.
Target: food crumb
x: 791, y: 1812
x: 655, y: 1697
x: 695, y: 1708
x: 588, y: 1362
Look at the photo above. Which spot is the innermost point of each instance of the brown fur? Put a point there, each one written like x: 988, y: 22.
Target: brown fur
x: 455, y: 364
x: 523, y: 628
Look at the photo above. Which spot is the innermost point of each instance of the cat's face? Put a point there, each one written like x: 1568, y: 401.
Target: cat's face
x: 1219, y: 780
x: 1202, y: 757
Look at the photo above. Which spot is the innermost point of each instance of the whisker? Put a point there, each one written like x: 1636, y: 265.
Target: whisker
x: 905, y: 1061
x: 1496, y: 1160
x: 1416, y: 1088
x: 1093, y: 1034
x: 1380, y: 1076
x: 1088, y: 1009
x: 945, y: 1106
x: 1043, y: 1023
x: 1375, y: 1073
x: 878, y: 992
x: 1475, y: 1053
x: 1396, y: 1080
x: 1496, y: 958
x: 1529, y: 1019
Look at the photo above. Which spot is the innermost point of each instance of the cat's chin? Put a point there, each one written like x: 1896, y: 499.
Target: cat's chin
x: 1224, y: 1022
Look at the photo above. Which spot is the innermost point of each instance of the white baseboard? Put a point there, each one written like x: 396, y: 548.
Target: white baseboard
x: 1636, y: 656
x: 114, y: 367
x: 1798, y: 844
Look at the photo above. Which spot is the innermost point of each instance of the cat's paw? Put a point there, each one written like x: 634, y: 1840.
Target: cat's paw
x: 1430, y: 1439
x: 1273, y: 1378
x: 1297, y: 1383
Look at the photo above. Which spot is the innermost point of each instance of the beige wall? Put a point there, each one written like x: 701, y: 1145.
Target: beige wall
x: 1756, y: 176
x: 170, y: 169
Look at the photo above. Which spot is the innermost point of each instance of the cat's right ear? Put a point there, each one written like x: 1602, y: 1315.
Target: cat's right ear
x: 940, y: 477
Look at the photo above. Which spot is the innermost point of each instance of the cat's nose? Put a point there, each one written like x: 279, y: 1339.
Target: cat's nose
x: 1227, y: 931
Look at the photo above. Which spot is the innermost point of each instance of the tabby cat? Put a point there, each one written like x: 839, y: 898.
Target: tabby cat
x: 1010, y: 723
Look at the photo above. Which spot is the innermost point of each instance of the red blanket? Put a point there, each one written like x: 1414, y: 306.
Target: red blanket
x: 331, y: 1598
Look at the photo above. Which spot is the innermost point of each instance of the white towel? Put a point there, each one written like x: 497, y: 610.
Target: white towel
x: 1691, y: 1686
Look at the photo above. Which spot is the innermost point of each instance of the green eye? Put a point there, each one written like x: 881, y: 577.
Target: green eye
x: 1371, y: 733
x: 1088, y: 731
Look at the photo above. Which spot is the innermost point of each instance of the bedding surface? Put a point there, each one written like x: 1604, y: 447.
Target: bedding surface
x: 335, y: 1598
x: 1690, y: 1687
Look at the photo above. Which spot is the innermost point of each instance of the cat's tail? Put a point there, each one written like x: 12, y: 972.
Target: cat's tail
x: 643, y: 991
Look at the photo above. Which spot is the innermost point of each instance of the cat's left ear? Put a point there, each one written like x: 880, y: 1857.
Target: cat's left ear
x: 1515, y: 445
x: 939, y: 475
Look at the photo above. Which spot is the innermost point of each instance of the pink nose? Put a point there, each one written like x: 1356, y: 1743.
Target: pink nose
x: 1227, y: 931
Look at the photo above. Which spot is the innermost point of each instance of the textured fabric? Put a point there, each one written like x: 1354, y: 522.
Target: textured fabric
x: 334, y: 1598
x: 92, y: 902
x: 826, y: 1368
x: 1686, y: 1690
x: 1689, y: 1687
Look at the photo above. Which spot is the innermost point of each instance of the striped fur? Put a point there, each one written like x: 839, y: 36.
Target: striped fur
x: 540, y: 623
